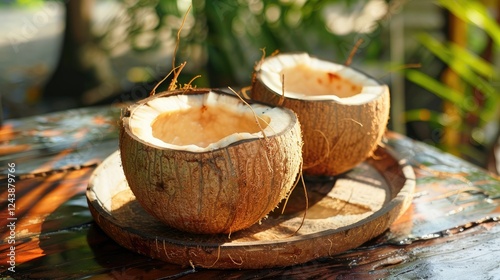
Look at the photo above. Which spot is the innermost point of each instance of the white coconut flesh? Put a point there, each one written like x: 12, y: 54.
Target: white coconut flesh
x: 204, y: 122
x: 310, y: 78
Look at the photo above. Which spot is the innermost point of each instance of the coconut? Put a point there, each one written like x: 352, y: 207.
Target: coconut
x: 343, y: 112
x: 204, y: 161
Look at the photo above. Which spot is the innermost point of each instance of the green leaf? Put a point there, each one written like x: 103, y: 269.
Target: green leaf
x: 474, y: 13
x: 460, y: 63
x: 436, y: 87
x: 465, y: 65
x: 476, y: 63
x: 424, y: 115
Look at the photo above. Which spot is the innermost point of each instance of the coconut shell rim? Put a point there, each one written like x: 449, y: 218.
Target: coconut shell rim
x: 257, y: 73
x: 127, y: 112
x: 328, y: 101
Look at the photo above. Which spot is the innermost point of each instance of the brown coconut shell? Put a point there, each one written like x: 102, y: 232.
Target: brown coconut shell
x: 217, y: 191
x: 337, y: 136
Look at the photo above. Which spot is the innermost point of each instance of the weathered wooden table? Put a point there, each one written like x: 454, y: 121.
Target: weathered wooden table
x: 450, y: 231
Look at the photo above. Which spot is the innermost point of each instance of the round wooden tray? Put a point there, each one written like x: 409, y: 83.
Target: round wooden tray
x: 343, y: 214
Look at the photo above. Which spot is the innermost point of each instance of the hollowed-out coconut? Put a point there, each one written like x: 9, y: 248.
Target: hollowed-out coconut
x: 343, y: 112
x: 205, y: 162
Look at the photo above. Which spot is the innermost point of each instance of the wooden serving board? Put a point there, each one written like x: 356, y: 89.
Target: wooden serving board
x: 343, y: 213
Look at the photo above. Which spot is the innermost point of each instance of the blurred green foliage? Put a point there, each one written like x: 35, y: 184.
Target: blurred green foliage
x: 477, y: 102
x: 225, y: 38
x: 24, y: 3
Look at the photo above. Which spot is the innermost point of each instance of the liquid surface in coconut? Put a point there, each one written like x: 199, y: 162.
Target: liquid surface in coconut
x: 309, y: 81
x: 204, y: 125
